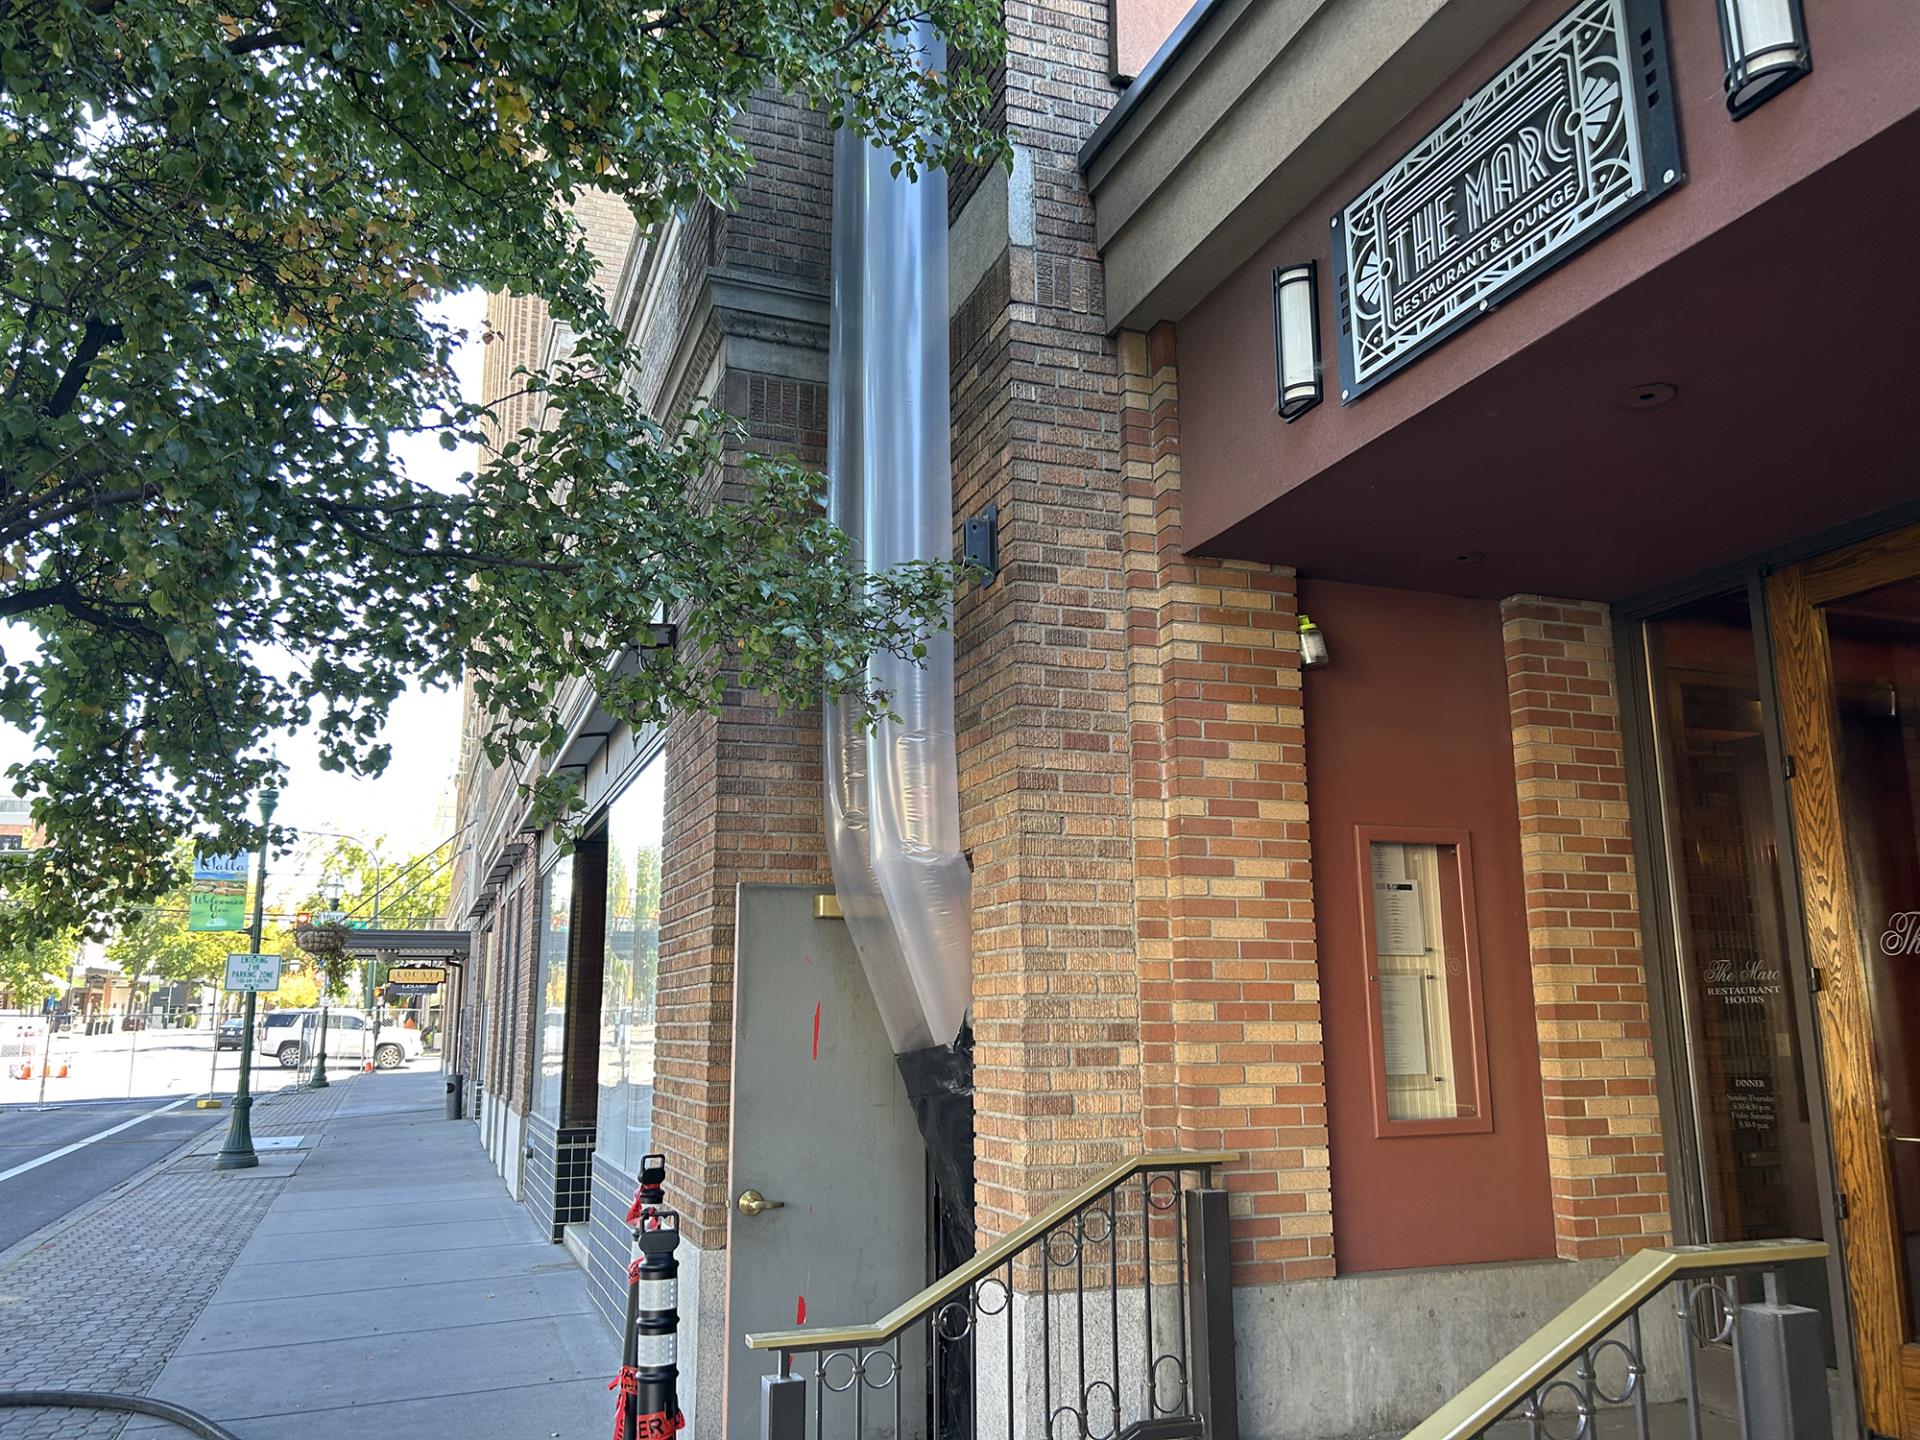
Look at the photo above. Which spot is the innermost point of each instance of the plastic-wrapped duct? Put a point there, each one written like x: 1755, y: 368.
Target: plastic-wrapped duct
x: 888, y: 375
x: 849, y: 842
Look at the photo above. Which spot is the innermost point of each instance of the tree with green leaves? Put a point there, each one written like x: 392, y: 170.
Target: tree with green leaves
x: 34, y: 967
x: 369, y: 883
x: 221, y: 225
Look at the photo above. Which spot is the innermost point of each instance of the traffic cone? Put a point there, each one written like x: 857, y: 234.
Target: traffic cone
x: 366, y: 1067
x: 63, y: 1071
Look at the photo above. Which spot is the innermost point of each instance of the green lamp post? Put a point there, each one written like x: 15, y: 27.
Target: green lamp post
x: 237, y: 1153
x: 320, y: 1081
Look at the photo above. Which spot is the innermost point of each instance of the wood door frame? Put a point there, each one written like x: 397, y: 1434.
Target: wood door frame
x: 1888, y: 1373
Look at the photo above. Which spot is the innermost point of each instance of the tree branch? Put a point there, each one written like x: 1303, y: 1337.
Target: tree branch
x: 264, y: 40
x: 96, y: 337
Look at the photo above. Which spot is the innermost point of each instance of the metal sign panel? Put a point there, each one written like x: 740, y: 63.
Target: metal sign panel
x: 253, y: 972
x: 428, y: 975
x: 1566, y: 142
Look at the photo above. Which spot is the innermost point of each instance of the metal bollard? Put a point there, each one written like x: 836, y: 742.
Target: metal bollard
x: 649, y: 1378
x: 1782, y: 1370
x: 657, y: 1331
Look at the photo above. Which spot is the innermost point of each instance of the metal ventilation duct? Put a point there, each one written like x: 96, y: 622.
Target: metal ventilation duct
x: 893, y: 794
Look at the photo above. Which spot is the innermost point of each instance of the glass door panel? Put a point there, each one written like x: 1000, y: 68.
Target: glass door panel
x: 1755, y: 1176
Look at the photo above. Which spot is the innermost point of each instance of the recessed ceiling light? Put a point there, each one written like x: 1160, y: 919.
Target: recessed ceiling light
x: 1645, y: 397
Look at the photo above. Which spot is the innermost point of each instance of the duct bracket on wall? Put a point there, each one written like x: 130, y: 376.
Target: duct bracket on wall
x: 980, y: 544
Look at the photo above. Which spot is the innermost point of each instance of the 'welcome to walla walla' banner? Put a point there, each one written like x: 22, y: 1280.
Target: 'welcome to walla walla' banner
x: 219, y: 897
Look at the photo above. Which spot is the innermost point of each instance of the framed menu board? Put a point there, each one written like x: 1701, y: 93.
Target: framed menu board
x: 1421, y: 953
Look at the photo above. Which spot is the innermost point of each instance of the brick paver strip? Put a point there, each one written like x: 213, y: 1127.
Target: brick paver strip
x: 102, y: 1302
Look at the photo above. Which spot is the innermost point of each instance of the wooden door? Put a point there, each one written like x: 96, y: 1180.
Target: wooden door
x: 1846, y: 637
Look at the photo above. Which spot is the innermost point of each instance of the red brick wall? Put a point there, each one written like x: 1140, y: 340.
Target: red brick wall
x: 743, y: 805
x: 1041, y: 711
x: 1228, y: 974
x: 1590, y: 991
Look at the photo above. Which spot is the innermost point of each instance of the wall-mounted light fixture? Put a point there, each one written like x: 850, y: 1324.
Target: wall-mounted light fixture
x: 1765, y: 44
x: 1296, y: 339
x: 1313, y: 645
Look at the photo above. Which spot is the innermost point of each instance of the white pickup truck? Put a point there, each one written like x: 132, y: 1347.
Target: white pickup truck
x: 291, y: 1036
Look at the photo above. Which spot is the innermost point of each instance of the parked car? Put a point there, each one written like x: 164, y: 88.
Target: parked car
x: 291, y: 1036
x: 229, y: 1036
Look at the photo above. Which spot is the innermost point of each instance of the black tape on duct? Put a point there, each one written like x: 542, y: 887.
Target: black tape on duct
x: 939, y: 1083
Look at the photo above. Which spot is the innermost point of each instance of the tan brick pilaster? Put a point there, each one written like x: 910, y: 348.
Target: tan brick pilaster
x: 1583, y: 924
x: 1229, y: 984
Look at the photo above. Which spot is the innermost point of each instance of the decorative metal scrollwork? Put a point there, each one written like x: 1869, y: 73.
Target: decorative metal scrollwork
x: 1590, y: 1370
x: 1105, y: 1217
x: 1061, y: 1261
x: 893, y: 1369
x: 980, y: 1305
x: 1710, y: 1323
x: 953, y: 1320
x: 825, y: 1371
x: 1079, y: 1430
x: 1153, y: 1387
x: 1111, y: 1408
x: 1161, y: 1199
x: 1536, y: 1411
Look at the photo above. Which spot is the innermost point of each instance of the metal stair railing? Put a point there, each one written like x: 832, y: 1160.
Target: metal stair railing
x: 1554, y: 1380
x: 1105, y: 1317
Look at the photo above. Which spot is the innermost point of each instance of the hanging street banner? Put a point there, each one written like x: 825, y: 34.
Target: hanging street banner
x: 1575, y: 135
x: 218, y: 900
x: 253, y: 972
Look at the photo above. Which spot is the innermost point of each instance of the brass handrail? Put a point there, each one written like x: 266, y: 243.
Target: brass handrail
x: 1537, y: 1358
x: 994, y: 1256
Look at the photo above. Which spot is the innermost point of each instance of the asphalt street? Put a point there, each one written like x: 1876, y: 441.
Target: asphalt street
x: 112, y: 1140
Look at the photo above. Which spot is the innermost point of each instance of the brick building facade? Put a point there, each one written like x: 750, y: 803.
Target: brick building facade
x: 1206, y: 875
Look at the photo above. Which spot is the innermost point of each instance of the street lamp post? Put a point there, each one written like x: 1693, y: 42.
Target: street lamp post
x: 320, y: 1081
x: 237, y: 1153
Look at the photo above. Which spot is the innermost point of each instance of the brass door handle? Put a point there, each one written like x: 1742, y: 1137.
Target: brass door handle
x: 752, y: 1202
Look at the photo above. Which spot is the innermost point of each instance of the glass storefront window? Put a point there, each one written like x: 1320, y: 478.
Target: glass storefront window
x: 631, y: 967
x: 556, y: 933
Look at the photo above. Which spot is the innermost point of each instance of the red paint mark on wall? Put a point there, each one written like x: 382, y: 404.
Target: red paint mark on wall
x: 800, y: 1311
x: 816, y: 1029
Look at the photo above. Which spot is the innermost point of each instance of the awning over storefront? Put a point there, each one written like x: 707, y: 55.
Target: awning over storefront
x: 1752, y: 390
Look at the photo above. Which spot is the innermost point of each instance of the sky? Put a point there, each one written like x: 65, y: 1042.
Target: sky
x: 409, y: 808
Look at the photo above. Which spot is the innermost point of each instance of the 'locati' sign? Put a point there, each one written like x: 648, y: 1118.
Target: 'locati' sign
x: 1567, y: 141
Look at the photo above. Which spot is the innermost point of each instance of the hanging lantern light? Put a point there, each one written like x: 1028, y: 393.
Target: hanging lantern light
x: 1765, y: 43
x: 1296, y: 339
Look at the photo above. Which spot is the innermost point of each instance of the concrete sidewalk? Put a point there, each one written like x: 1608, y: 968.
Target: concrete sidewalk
x: 392, y: 1288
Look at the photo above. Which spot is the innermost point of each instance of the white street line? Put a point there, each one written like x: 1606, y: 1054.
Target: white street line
x: 52, y: 1155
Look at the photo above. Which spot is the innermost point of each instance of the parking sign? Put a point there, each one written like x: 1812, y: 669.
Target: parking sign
x: 253, y: 972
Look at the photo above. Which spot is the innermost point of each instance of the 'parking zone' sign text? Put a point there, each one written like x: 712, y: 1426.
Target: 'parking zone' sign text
x: 253, y: 972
